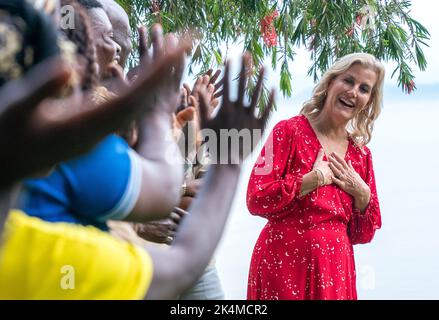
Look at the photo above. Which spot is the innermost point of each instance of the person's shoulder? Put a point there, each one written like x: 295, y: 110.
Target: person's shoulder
x: 296, y: 120
x: 365, y: 150
x: 367, y: 153
x: 292, y: 123
x: 114, y: 142
x: 110, y: 147
x: 108, y: 160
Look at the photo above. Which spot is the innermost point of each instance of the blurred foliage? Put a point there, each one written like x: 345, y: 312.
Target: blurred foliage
x: 275, y: 29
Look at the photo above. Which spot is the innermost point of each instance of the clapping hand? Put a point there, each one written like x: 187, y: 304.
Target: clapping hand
x: 236, y: 115
x: 205, y: 83
x: 162, y: 96
x: 48, y: 138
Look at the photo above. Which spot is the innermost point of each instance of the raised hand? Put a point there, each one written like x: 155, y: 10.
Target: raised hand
x: 48, y: 138
x: 191, y: 100
x: 236, y: 115
x: 164, y: 95
x: 205, y: 83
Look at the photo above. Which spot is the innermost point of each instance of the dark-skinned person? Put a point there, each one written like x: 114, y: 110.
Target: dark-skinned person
x: 163, y: 231
x: 102, y: 266
x: 48, y: 137
x: 208, y: 286
x: 122, y: 33
x: 112, y: 181
x: 21, y: 103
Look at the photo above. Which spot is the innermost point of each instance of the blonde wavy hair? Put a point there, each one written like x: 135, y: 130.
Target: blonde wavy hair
x: 361, y: 126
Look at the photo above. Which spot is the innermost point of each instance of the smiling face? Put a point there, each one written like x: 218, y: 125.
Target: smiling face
x: 121, y: 27
x: 349, y: 93
x: 107, y: 50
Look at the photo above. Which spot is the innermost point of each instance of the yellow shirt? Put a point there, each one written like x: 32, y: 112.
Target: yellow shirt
x: 43, y: 260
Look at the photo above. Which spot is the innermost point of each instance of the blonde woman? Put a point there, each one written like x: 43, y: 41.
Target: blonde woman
x: 314, y: 182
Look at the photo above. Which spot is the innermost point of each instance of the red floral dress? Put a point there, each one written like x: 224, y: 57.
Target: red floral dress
x: 305, y: 249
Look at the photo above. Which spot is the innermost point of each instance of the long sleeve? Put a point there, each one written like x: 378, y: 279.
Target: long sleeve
x: 362, y: 226
x: 273, y: 186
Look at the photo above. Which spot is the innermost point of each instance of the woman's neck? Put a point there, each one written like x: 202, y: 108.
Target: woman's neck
x: 326, y: 126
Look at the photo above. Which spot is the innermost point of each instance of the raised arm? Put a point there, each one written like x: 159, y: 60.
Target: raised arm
x: 273, y: 186
x: 199, y: 233
x: 49, y: 138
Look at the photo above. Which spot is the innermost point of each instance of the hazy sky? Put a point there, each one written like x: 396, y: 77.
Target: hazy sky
x: 425, y: 11
x: 422, y: 10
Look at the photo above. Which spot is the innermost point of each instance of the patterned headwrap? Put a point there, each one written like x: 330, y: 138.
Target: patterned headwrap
x: 27, y: 37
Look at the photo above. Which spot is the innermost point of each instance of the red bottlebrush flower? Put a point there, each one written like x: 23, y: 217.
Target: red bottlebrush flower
x: 268, y: 30
x: 270, y: 38
x: 155, y: 7
x: 409, y: 87
x: 350, y: 31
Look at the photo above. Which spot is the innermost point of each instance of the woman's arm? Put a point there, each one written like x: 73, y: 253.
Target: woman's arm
x: 365, y: 222
x: 271, y: 188
x: 366, y: 215
x: 321, y: 175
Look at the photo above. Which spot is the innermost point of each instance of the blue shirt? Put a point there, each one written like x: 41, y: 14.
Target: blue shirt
x: 101, y: 185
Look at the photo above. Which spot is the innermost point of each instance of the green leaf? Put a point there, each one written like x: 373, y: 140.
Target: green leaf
x: 218, y: 57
